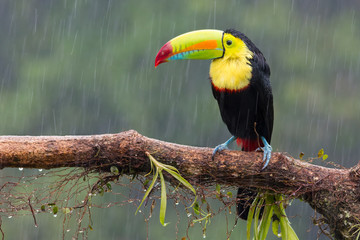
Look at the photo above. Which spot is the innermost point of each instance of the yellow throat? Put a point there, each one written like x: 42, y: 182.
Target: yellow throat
x: 233, y: 70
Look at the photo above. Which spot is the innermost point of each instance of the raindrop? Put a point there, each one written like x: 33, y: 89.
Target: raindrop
x: 204, y: 235
x: 20, y: 168
x: 139, y: 211
x: 10, y: 216
x: 177, y: 203
x: 189, y: 214
x: 55, y: 215
x: 40, y: 170
x: 67, y: 230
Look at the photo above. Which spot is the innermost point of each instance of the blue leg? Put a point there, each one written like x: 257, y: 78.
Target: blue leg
x: 223, y: 146
x: 267, y: 152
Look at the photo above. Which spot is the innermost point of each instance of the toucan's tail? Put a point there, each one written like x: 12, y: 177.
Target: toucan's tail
x: 245, y: 196
x: 249, y: 145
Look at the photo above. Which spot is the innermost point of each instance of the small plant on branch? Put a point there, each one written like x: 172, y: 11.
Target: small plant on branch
x: 156, y: 169
x: 267, y: 208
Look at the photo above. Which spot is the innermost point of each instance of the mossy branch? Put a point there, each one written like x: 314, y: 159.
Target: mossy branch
x: 332, y: 192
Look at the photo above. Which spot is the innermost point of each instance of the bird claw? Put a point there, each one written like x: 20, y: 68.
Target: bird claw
x: 223, y: 146
x: 219, y: 148
x: 267, y: 149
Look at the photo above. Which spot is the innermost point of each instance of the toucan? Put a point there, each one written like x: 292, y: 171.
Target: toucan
x: 240, y: 82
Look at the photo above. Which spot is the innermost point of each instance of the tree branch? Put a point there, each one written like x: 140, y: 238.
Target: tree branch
x: 335, y: 193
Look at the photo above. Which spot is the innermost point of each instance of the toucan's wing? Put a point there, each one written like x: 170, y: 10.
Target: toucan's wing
x: 261, y: 83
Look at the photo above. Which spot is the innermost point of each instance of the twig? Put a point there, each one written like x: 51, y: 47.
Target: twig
x: 32, y: 212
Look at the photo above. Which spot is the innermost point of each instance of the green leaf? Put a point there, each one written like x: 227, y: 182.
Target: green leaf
x: 42, y: 208
x: 256, y: 218
x: 267, y: 215
x: 287, y: 232
x: 182, y: 180
x: 301, y: 155
x: 325, y: 156
x: 320, y: 153
x: 283, y: 228
x: 108, y: 185
x: 291, y: 233
x: 148, y: 190
x: 163, y: 200
x: 217, y: 188
x: 281, y: 215
x: 55, y: 209
x: 114, y: 170
x: 66, y: 210
x: 151, y: 165
x: 167, y: 167
x: 275, y: 227
x: 251, y: 216
x: 196, y: 208
x: 229, y: 194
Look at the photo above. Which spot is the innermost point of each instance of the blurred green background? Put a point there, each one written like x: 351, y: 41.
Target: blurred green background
x: 87, y: 67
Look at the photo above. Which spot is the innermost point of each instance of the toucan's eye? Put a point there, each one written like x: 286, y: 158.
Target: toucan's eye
x: 228, y: 42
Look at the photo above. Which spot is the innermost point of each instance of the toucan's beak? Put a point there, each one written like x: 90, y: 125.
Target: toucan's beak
x: 201, y: 44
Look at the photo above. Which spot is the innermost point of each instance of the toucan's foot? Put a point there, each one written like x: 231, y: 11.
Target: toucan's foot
x: 219, y: 148
x: 223, y: 146
x: 267, y: 152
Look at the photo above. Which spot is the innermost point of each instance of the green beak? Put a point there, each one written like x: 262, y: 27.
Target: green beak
x: 200, y: 44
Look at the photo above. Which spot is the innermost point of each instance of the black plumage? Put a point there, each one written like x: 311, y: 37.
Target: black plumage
x: 248, y: 113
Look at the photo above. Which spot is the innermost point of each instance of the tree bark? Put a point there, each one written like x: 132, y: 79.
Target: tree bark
x: 334, y: 193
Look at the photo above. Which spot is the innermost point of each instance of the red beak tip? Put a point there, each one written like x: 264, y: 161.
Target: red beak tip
x: 159, y: 61
x: 164, y: 53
